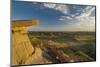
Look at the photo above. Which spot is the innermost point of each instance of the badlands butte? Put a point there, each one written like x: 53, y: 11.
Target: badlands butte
x: 39, y: 47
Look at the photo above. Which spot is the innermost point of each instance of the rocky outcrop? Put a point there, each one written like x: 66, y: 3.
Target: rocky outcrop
x: 23, y: 51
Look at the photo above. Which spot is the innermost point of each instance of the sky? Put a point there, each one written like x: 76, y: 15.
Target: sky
x: 55, y: 17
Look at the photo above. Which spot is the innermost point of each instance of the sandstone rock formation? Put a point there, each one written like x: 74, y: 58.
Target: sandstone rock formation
x: 22, y: 50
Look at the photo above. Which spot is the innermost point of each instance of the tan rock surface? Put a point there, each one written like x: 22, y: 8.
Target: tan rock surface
x: 22, y: 50
x: 21, y: 47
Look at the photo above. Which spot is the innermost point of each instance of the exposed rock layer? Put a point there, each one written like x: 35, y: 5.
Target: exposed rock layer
x: 22, y: 50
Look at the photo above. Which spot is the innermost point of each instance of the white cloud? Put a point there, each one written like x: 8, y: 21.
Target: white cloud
x: 86, y: 24
x: 60, y: 7
x: 50, y: 5
x: 62, y: 18
x: 87, y: 11
x: 83, y: 22
x: 67, y: 20
x: 67, y: 17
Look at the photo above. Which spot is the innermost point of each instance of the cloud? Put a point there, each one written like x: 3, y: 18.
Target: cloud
x: 50, y: 5
x: 66, y: 20
x: 87, y: 11
x: 82, y: 22
x: 85, y: 20
x: 86, y: 24
x: 60, y: 7
x: 66, y: 17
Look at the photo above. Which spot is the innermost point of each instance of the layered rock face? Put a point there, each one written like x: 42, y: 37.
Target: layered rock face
x: 22, y: 50
x: 21, y: 46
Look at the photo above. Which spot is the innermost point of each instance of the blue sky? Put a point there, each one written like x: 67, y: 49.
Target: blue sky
x: 55, y: 17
